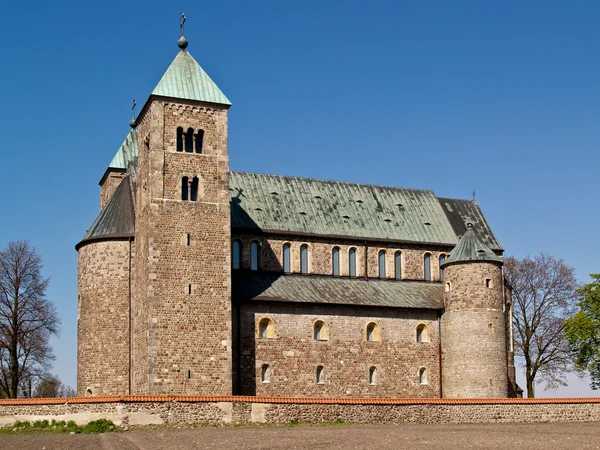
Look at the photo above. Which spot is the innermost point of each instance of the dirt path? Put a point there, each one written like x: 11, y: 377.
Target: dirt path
x: 414, y: 437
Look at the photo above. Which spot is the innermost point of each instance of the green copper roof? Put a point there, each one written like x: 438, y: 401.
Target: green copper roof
x: 470, y: 249
x: 331, y: 208
x: 185, y: 79
x: 127, y: 153
x: 333, y: 290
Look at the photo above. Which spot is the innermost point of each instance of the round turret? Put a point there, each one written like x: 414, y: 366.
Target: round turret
x: 473, y: 325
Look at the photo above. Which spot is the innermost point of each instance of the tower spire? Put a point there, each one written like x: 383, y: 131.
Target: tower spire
x: 182, y: 42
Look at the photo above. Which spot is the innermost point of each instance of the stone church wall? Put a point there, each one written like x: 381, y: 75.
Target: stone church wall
x: 293, y: 354
x: 320, y: 259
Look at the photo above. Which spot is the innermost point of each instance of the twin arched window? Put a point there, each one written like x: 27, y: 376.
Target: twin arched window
x: 188, y: 139
x: 189, y: 189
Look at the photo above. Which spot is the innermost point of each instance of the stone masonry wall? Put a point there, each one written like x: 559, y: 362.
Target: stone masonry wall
x: 186, y: 280
x: 473, y: 332
x: 293, y: 354
x: 231, y: 410
x: 111, y: 183
x: 320, y: 258
x: 103, y: 318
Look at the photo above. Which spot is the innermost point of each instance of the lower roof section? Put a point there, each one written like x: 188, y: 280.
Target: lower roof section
x: 336, y: 290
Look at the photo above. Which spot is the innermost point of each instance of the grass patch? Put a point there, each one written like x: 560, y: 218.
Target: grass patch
x: 59, y: 427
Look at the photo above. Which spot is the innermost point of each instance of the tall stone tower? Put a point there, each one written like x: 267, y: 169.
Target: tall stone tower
x: 181, y: 308
x: 473, y: 325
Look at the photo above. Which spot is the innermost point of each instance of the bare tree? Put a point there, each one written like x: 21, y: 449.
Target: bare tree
x: 51, y: 386
x: 27, y: 318
x: 544, y: 296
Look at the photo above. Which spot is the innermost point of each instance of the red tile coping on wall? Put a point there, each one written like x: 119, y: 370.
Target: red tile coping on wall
x: 297, y: 400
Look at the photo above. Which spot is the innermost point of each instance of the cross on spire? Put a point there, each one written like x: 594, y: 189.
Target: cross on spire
x: 182, y: 23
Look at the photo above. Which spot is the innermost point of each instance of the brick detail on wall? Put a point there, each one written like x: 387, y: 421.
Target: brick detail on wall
x: 293, y: 354
x: 103, y: 318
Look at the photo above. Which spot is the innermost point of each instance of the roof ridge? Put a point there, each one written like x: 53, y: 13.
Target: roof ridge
x: 335, y: 181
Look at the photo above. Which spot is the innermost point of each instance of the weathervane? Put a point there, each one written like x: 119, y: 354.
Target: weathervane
x: 474, y: 194
x: 182, y: 24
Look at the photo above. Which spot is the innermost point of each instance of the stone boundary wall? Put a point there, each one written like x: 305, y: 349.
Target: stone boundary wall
x: 181, y: 410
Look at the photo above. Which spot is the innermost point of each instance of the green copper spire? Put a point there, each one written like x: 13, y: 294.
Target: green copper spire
x: 185, y: 79
x: 471, y: 249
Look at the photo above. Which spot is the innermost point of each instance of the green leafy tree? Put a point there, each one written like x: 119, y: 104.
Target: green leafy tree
x: 582, y: 331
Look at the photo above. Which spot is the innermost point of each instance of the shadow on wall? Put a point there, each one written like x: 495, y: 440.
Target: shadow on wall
x: 244, y: 370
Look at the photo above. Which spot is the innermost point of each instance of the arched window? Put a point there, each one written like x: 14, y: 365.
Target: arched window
x: 335, y: 261
x: 185, y: 188
x: 286, y: 258
x: 319, y: 374
x: 254, y: 259
x: 199, y: 141
x: 236, y: 257
x: 194, y: 190
x: 266, y: 328
x: 422, y: 333
x: 264, y: 373
x: 179, y: 139
x: 352, y: 262
x: 423, y: 375
x: 442, y: 260
x: 427, y: 267
x: 320, y: 331
x: 304, y: 258
x: 373, y: 375
x: 372, y: 333
x: 398, y: 265
x: 382, y: 264
x: 189, y: 141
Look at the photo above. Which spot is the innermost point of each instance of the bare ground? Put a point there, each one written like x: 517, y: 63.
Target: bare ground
x: 489, y: 436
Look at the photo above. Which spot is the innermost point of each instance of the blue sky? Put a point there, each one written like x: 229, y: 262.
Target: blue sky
x: 497, y: 97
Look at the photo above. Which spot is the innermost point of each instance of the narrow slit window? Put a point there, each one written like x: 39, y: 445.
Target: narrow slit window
x: 372, y: 375
x: 382, y: 264
x: 442, y: 260
x: 427, y: 267
x: 352, y: 262
x: 189, y: 288
x: 189, y: 141
x: 319, y: 374
x: 488, y: 283
x: 185, y: 188
x: 199, y: 141
x: 189, y: 239
x: 422, y: 333
x: 335, y: 262
x: 236, y: 257
x: 286, y: 258
x: 179, y: 139
x: 304, y: 259
x: 423, y: 375
x: 194, y: 190
x: 398, y: 265
x: 264, y: 373
x: 254, y: 259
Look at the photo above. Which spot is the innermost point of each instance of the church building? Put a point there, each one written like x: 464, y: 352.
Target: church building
x: 197, y: 280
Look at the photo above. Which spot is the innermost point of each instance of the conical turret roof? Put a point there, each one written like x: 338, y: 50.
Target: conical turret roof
x: 185, y: 79
x: 471, y: 249
x: 116, y: 220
